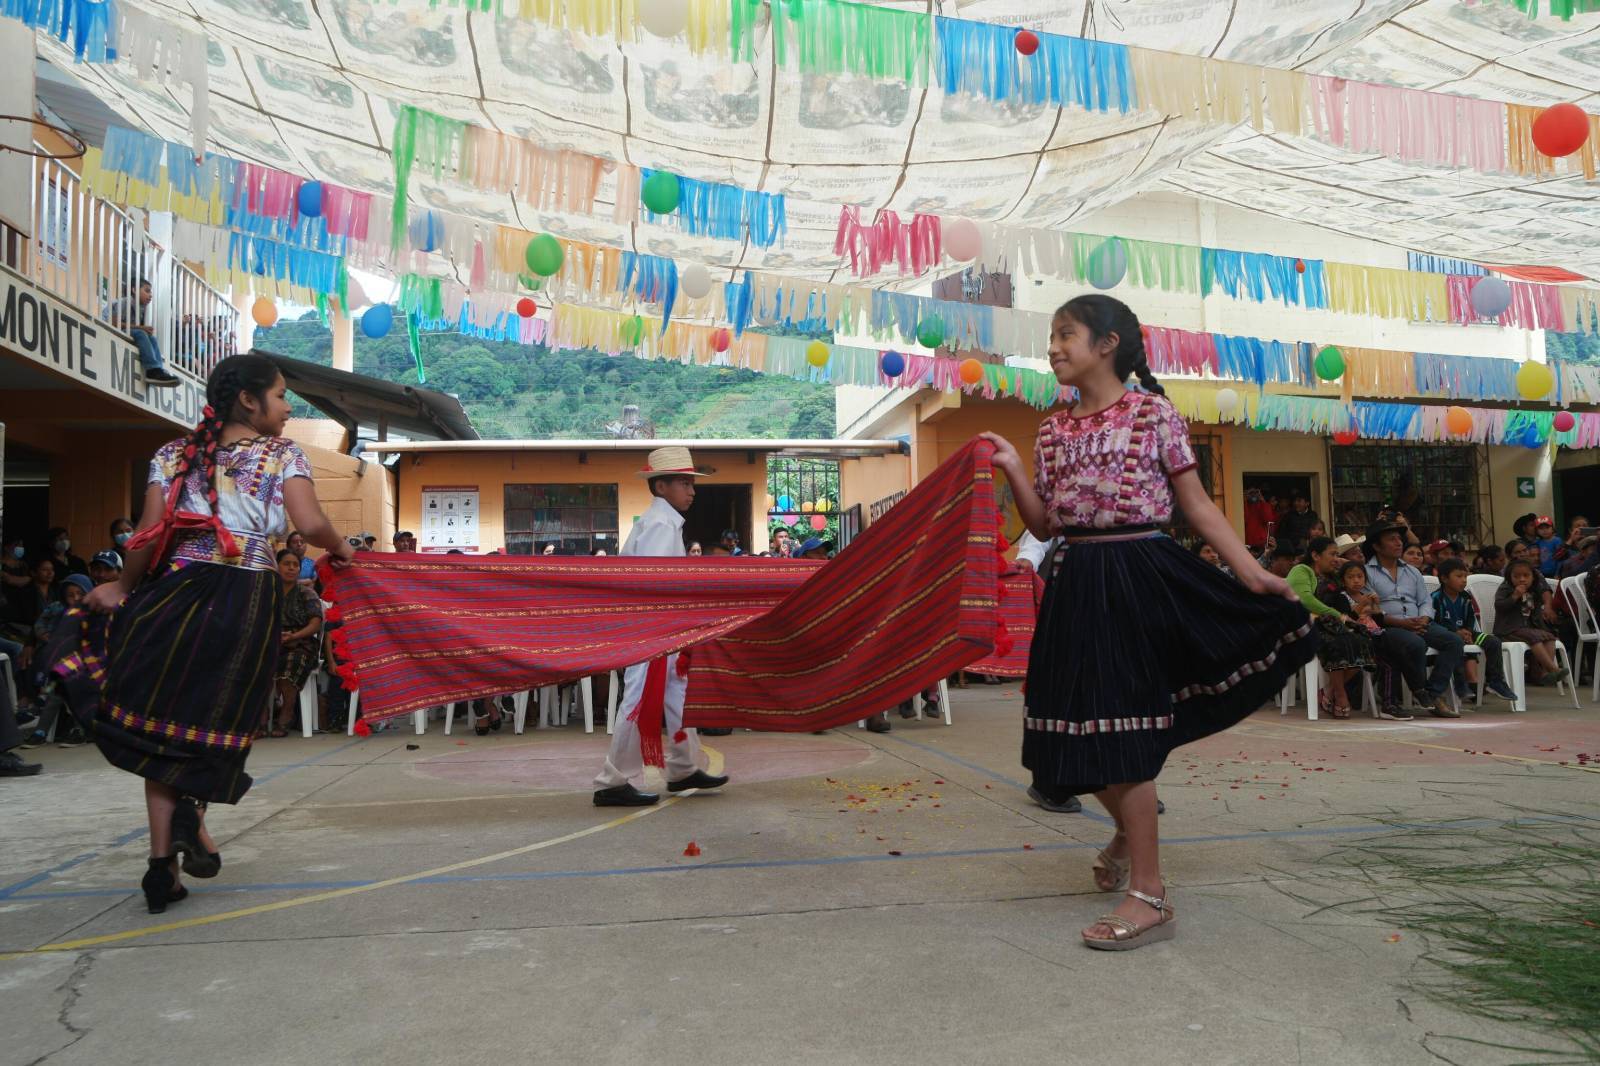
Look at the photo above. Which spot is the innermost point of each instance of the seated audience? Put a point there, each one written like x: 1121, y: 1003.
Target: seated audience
x: 1282, y: 560
x: 1519, y: 614
x: 782, y: 542
x: 128, y: 314
x: 1208, y: 555
x: 405, y: 541
x: 1455, y: 609
x: 1349, y: 548
x: 1296, y: 527
x: 105, y: 567
x: 14, y: 566
x: 695, y: 548
x: 1415, y: 556
x: 1491, y: 559
x: 1583, y: 556
x: 58, y: 548
x: 1409, y: 630
x: 1345, y: 646
x: 1549, y: 548
x: 121, y: 533
x: 296, y: 542
x: 69, y: 594
x: 299, y: 619
x: 815, y: 548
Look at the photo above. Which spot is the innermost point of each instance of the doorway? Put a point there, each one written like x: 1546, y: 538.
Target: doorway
x: 716, y: 508
x: 1269, y: 499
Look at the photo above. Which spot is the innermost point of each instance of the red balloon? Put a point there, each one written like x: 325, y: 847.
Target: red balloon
x: 720, y: 340
x: 526, y: 307
x: 1027, y: 42
x: 818, y: 523
x: 1564, y: 422
x: 1346, y: 437
x: 1560, y: 130
x: 1299, y: 266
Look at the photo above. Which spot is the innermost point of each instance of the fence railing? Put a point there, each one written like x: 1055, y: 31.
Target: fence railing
x: 93, y: 255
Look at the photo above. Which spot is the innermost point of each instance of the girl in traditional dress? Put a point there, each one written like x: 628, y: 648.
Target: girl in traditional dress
x: 174, y: 674
x: 1140, y: 646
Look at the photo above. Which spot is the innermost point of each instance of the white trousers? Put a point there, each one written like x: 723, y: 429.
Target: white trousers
x: 624, y: 761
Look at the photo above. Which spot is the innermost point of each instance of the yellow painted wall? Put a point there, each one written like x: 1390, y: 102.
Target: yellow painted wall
x: 1505, y: 466
x: 358, y: 497
x: 491, y: 472
x: 872, y: 480
x: 1250, y: 452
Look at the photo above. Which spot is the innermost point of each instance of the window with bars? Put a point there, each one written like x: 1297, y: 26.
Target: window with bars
x: 577, y: 519
x: 1436, y: 486
x: 1208, y: 455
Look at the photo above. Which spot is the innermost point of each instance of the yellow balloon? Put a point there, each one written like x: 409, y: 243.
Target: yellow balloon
x: 771, y: 502
x: 1534, y: 381
x: 817, y: 353
x: 823, y: 506
x: 264, y: 311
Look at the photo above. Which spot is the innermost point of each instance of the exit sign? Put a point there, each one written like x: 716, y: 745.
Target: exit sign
x: 1524, y: 488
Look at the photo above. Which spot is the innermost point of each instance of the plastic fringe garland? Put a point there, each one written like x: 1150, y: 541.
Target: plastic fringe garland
x: 726, y: 212
x: 1562, y: 9
x: 834, y: 37
x: 981, y: 58
x: 1438, y: 264
x: 88, y: 26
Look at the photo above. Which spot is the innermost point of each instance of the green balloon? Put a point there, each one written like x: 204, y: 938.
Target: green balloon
x: 930, y: 332
x: 661, y: 192
x: 633, y: 331
x: 528, y: 281
x: 1329, y: 364
x: 544, y: 255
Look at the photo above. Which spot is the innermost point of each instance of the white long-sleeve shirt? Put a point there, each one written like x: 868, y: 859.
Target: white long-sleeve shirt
x: 659, y: 531
x: 1034, y: 550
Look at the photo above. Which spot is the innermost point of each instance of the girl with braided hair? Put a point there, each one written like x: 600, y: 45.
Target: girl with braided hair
x: 1140, y: 646
x: 173, y: 671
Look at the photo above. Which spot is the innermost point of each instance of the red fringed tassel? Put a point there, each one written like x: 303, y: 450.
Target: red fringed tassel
x: 1000, y: 592
x: 362, y: 729
x: 1002, y: 545
x: 1003, y: 645
x: 651, y: 713
x: 680, y: 736
x: 332, y: 614
x: 683, y: 664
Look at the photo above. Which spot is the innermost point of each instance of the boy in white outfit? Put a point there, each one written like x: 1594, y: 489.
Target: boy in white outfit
x: 659, y: 531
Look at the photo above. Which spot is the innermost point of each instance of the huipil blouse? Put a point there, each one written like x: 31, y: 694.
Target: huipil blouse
x: 250, y: 479
x: 1114, y: 467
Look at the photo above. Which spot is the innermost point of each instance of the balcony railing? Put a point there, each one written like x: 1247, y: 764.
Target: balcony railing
x: 93, y: 255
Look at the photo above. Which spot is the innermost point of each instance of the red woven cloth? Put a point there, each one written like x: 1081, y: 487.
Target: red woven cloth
x: 778, y: 644
x: 1019, y: 613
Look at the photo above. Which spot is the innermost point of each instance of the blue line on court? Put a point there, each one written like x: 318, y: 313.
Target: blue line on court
x: 827, y: 860
x: 134, y: 834
x: 1094, y: 816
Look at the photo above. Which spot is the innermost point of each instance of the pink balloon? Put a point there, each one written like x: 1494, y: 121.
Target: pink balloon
x: 1564, y: 422
x: 962, y: 239
x: 818, y: 522
x: 356, y: 296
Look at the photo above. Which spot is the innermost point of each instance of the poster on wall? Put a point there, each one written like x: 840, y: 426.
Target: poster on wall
x: 449, y: 519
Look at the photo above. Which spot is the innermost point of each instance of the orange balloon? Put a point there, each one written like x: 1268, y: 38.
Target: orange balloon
x: 970, y: 371
x: 1458, y: 420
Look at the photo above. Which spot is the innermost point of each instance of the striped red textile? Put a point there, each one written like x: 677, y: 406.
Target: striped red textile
x: 1019, y: 612
x: 778, y: 644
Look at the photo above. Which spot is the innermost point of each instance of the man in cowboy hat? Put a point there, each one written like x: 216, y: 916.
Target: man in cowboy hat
x: 1349, y: 548
x: 659, y: 531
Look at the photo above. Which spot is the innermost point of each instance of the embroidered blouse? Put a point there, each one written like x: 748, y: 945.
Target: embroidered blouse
x: 1112, y: 468
x: 250, y: 477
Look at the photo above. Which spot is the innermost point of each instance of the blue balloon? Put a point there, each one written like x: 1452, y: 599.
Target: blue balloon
x: 425, y: 231
x: 377, y: 321
x: 310, y: 199
x: 893, y: 364
x: 786, y: 504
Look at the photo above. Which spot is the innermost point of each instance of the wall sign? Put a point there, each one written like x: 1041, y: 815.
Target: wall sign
x: 449, y: 519
x: 1525, y: 488
x: 63, y: 340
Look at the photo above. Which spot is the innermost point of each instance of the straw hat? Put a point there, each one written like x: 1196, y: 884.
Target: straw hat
x: 671, y: 461
x: 1345, y: 542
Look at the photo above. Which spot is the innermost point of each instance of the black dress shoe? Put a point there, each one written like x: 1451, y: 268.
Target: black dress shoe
x: 879, y: 723
x: 196, y: 860
x: 698, y: 779
x: 623, y: 796
x: 13, y: 765
x: 716, y: 732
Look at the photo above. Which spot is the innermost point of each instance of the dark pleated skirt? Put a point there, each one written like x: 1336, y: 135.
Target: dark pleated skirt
x: 175, y: 684
x: 1341, y: 646
x: 1142, y: 647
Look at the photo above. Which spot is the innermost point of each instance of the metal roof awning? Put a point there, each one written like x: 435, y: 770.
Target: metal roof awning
x: 822, y: 449
x: 356, y: 401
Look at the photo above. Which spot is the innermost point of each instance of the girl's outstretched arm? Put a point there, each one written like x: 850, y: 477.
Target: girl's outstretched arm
x: 1206, y: 520
x: 1029, y: 506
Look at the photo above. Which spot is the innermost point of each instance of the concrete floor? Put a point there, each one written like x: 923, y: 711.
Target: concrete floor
x: 856, y: 898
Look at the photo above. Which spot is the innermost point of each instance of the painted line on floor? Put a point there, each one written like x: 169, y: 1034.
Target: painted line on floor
x: 1333, y: 734
x: 714, y: 763
x: 437, y: 878
x: 134, y: 834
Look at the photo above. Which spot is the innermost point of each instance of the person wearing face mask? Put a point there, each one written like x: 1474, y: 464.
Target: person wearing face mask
x: 60, y: 551
x: 14, y: 566
x: 121, y: 530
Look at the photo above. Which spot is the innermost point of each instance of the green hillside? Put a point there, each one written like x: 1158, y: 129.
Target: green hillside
x: 523, y: 391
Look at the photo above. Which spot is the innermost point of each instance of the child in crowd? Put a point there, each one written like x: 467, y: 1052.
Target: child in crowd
x: 1491, y: 559
x: 1455, y: 609
x: 1519, y: 615
x: 1551, y: 548
x: 1363, y: 604
x: 1114, y: 685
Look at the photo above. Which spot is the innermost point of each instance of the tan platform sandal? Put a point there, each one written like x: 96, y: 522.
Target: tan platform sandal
x: 1127, y: 935
x: 1109, y: 868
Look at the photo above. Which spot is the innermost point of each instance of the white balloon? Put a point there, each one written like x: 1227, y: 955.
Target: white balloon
x: 1227, y: 401
x: 963, y: 240
x: 664, y: 18
x: 355, y: 296
x: 695, y: 281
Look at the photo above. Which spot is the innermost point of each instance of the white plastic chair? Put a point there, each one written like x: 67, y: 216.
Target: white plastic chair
x: 1588, y: 628
x: 1513, y: 653
x: 1311, y: 679
x: 419, y: 718
x: 11, y: 678
x: 919, y: 703
x: 519, y: 717
x: 1430, y: 583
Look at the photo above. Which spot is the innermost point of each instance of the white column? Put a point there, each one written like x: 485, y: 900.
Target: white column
x: 344, y: 338
x: 17, y: 98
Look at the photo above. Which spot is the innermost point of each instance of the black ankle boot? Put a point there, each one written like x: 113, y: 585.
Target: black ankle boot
x: 158, y: 887
x: 197, y: 861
